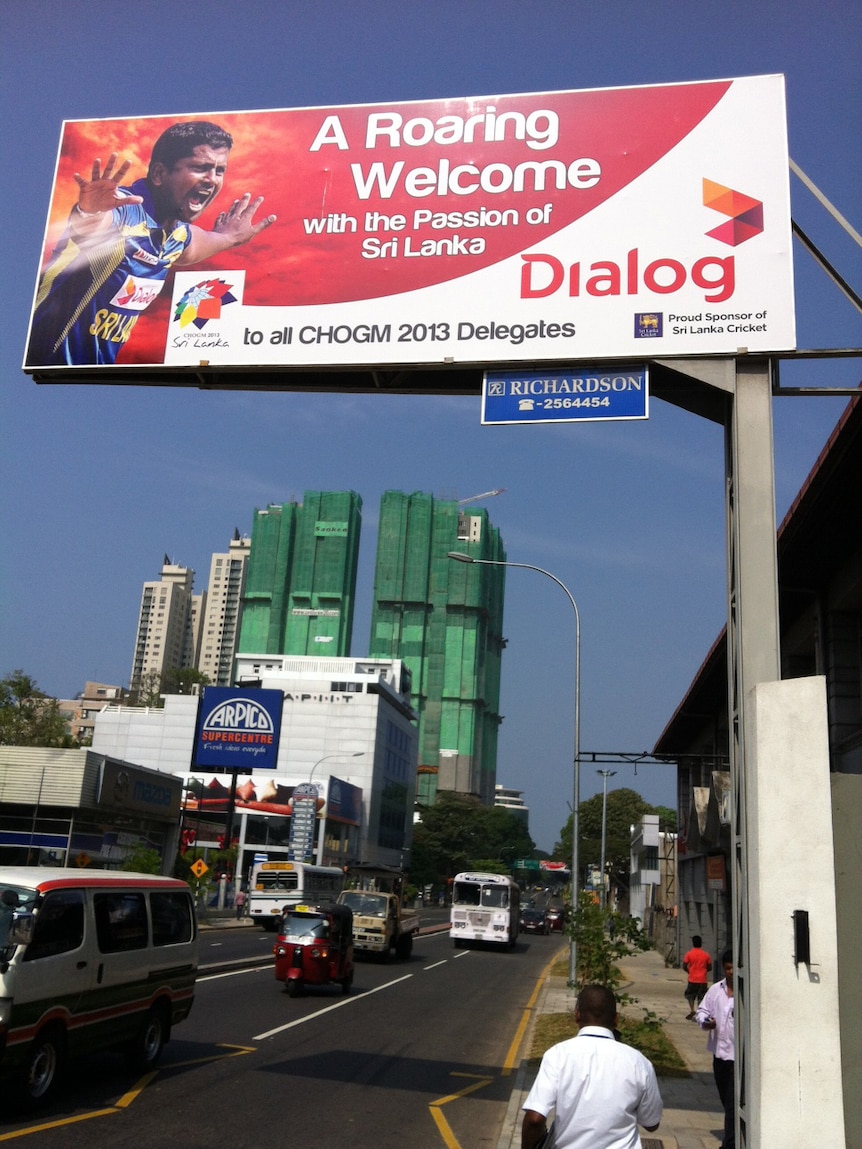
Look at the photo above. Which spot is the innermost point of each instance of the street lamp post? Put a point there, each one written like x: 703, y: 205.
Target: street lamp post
x: 576, y: 798
x: 605, y: 775
x: 322, y: 836
x: 326, y: 757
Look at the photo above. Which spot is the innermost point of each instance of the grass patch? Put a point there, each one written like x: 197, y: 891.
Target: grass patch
x: 653, y: 1042
x: 647, y: 1036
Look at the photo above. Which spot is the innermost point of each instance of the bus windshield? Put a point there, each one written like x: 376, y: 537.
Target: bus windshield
x: 476, y: 894
x: 276, y: 880
x: 495, y: 896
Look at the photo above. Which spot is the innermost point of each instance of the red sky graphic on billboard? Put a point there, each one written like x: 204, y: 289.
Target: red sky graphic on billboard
x: 627, y: 130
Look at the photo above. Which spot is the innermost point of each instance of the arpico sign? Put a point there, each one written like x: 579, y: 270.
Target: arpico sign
x: 553, y: 226
x: 238, y: 729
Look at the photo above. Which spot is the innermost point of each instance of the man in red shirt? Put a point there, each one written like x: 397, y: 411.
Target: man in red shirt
x: 697, y: 964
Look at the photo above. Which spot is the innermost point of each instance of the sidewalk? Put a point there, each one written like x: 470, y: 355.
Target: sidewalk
x: 693, y: 1117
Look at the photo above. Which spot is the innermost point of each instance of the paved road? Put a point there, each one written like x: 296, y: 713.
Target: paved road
x: 414, y: 1056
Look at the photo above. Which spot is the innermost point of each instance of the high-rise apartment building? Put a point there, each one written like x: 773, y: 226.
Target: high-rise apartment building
x: 444, y: 620
x: 221, y: 618
x: 166, y: 624
x: 301, y: 583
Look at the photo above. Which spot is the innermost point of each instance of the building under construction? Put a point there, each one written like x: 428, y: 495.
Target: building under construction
x: 301, y: 582
x: 444, y: 620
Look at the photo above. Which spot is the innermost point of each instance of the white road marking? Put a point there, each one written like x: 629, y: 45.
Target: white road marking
x: 329, y: 1008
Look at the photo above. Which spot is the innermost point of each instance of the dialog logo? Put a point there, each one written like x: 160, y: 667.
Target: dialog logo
x: 746, y: 213
x: 203, y: 302
x: 137, y: 294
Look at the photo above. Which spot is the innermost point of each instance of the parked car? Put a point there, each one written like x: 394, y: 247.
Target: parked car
x: 555, y: 916
x: 533, y: 921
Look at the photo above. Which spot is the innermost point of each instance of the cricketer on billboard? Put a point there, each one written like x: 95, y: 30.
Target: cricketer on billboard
x: 546, y: 226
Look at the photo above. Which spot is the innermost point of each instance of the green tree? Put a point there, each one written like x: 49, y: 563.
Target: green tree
x: 603, y: 937
x: 183, y: 680
x: 666, y: 819
x: 459, y: 833
x: 174, y: 680
x: 143, y: 860
x: 625, y: 807
x: 149, y: 691
x: 28, y: 717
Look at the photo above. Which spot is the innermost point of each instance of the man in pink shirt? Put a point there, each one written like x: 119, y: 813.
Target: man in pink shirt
x: 715, y: 1014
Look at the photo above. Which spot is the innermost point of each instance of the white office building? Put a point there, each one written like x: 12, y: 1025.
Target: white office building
x: 513, y: 801
x: 344, y: 720
x: 166, y: 624
x: 223, y: 611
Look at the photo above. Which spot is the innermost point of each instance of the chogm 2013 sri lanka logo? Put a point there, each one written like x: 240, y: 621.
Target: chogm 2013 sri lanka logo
x: 203, y: 303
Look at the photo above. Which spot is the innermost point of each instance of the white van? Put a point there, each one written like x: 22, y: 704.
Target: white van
x: 90, y: 960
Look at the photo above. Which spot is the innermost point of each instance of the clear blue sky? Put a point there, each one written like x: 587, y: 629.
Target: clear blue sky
x: 98, y: 483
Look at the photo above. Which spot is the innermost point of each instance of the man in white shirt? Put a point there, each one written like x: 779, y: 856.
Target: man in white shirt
x: 715, y: 1014
x: 599, y: 1088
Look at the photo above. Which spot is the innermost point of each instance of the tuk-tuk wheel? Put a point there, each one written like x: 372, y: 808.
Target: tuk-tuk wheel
x: 293, y: 987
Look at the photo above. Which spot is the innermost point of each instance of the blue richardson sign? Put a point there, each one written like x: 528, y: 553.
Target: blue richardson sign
x: 238, y: 728
x: 565, y: 397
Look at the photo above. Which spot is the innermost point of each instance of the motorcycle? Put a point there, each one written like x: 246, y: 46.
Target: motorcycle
x: 314, y: 947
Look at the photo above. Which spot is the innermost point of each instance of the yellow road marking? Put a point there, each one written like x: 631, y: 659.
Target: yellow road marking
x: 236, y: 1051
x: 443, y: 1126
x: 132, y: 1095
x: 126, y: 1100
x: 509, y: 1063
x: 56, y: 1124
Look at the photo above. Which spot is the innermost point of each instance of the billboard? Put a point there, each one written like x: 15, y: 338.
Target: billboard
x: 550, y: 226
x: 237, y: 728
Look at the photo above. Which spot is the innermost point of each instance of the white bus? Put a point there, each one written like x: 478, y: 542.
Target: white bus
x: 274, y: 885
x: 485, y: 908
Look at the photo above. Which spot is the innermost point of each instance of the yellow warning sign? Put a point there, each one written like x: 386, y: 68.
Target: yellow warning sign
x: 199, y: 868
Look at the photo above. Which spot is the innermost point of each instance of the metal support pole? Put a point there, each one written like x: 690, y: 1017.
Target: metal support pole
x: 753, y: 657
x: 458, y: 556
x: 321, y: 834
x: 605, y: 775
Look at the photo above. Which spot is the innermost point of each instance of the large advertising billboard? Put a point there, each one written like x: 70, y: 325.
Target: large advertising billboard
x: 237, y: 728
x: 551, y: 226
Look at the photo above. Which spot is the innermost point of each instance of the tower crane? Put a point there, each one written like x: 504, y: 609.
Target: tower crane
x: 484, y: 495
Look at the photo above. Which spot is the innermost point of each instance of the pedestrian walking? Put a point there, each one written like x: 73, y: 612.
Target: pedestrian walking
x: 697, y: 964
x: 599, y: 1088
x: 239, y: 902
x: 715, y: 1015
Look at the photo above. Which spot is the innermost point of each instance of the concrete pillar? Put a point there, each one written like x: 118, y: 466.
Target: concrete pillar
x: 795, y: 1097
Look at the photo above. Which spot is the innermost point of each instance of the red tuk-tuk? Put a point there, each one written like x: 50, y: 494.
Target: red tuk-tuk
x: 315, y: 947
